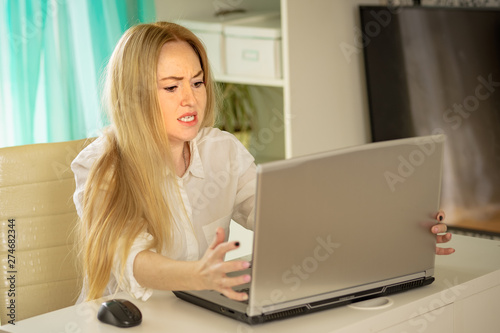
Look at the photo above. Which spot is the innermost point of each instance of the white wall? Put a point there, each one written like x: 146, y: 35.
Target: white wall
x: 326, y: 89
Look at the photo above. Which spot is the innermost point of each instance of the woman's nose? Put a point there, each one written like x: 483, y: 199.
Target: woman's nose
x: 188, y: 98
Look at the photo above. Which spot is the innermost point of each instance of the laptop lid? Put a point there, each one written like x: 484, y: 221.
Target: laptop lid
x: 340, y: 222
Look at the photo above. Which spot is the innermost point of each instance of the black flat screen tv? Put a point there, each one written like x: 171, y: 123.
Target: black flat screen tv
x: 436, y: 70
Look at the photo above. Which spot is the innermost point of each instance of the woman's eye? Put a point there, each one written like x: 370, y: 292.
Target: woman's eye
x: 198, y: 84
x: 170, y: 89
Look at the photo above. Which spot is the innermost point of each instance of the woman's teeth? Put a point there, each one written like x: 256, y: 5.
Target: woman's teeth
x: 187, y: 119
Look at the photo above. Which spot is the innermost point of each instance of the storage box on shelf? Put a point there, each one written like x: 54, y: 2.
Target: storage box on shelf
x: 253, y: 48
x: 210, y: 30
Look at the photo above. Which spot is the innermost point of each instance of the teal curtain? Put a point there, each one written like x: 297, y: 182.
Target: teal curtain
x: 52, y: 56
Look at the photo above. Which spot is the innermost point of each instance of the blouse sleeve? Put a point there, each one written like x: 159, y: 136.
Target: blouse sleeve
x: 127, y: 281
x: 81, y: 167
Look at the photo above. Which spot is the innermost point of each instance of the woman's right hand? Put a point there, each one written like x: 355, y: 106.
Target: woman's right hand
x: 212, y: 270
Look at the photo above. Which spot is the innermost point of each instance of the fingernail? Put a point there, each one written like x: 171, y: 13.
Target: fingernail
x: 246, y: 264
x: 237, y: 244
x: 245, y: 297
x: 435, y: 229
x: 440, y: 217
x: 247, y: 278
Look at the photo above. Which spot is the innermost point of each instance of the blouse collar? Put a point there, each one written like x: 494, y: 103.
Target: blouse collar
x: 195, y: 165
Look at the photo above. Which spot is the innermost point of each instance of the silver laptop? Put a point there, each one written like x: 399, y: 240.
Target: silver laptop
x: 339, y: 227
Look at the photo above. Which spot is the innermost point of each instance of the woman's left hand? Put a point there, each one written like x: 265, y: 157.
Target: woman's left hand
x: 441, y: 228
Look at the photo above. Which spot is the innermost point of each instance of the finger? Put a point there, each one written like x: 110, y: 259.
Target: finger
x: 222, y: 248
x: 444, y: 251
x: 439, y: 228
x: 229, y: 282
x: 232, y: 294
x: 235, y: 266
x: 219, y: 238
x: 443, y: 238
x: 440, y: 216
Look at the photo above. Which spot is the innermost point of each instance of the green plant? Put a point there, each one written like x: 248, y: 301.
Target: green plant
x: 237, y: 111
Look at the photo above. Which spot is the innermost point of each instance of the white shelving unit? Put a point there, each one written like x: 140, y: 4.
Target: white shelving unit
x: 323, y: 101
x: 250, y: 80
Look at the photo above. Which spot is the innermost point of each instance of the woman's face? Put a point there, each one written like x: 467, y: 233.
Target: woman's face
x: 181, y: 91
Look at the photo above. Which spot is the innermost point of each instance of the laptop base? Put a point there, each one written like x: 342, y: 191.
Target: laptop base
x: 307, y: 308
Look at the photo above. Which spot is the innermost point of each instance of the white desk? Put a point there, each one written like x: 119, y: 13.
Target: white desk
x: 464, y: 298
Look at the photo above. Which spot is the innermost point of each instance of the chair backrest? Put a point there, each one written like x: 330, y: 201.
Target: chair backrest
x: 37, y: 219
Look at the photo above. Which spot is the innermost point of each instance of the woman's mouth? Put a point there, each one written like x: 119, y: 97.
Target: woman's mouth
x: 186, y: 119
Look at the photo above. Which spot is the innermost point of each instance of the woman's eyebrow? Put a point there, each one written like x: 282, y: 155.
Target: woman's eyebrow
x: 179, y: 78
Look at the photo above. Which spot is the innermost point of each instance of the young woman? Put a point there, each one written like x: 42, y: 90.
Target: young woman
x: 161, y: 183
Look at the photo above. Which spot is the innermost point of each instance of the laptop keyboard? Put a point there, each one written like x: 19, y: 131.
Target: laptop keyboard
x: 243, y: 290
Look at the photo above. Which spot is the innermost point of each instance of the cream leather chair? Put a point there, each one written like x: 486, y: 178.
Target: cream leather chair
x: 38, y: 271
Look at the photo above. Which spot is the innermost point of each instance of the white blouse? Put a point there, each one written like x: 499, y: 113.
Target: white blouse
x: 219, y: 185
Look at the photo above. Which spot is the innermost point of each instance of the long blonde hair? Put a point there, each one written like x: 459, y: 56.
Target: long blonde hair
x: 130, y: 187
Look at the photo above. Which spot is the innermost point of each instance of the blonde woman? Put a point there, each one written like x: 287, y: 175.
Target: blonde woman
x: 157, y: 191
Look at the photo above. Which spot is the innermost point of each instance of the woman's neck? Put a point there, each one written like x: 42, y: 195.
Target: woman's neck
x: 181, y: 156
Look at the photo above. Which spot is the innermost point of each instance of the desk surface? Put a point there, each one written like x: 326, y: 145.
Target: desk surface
x: 474, y: 267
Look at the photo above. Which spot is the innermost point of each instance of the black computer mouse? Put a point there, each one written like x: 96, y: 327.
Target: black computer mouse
x: 119, y: 312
